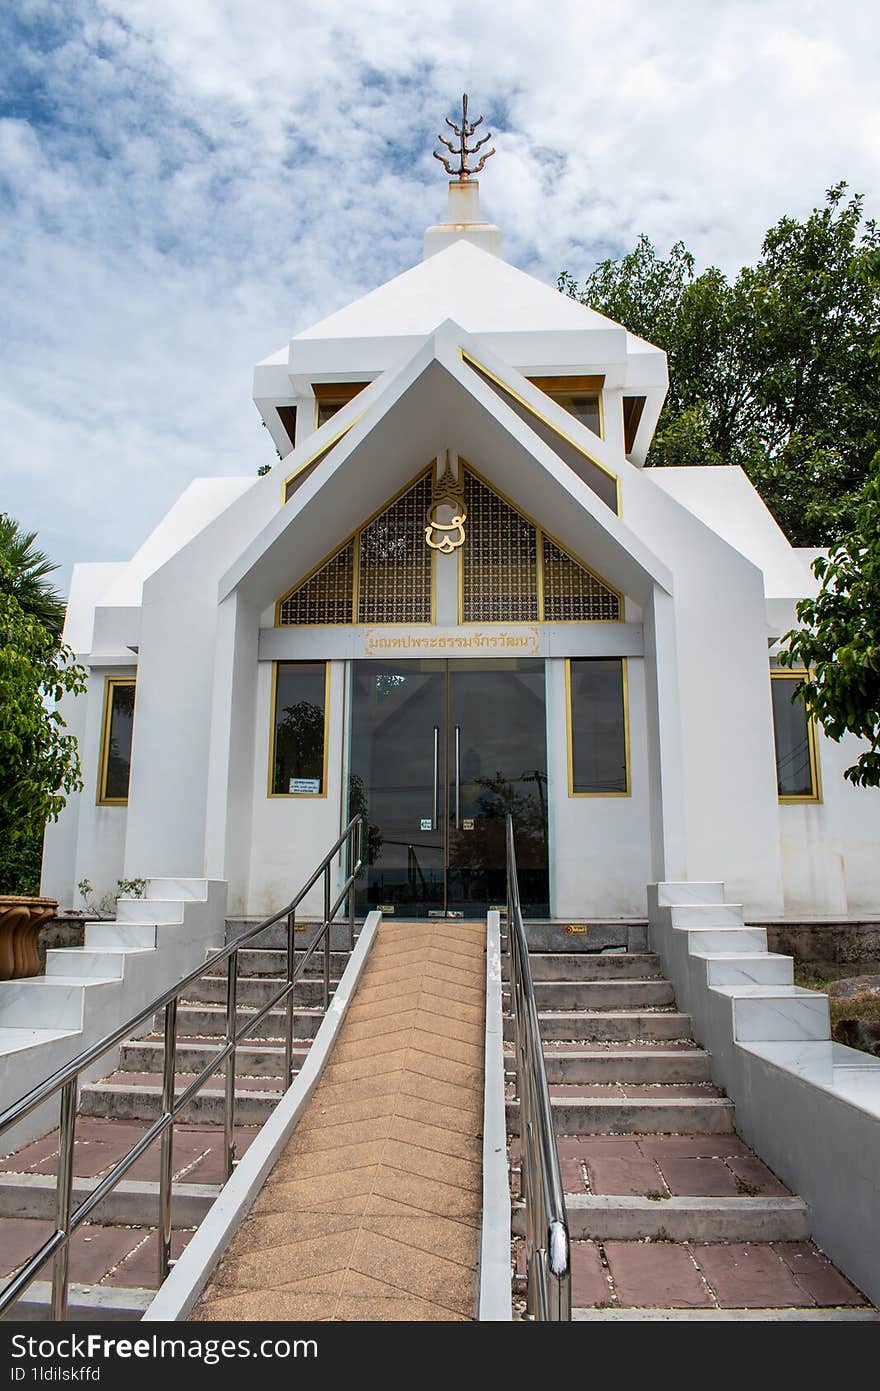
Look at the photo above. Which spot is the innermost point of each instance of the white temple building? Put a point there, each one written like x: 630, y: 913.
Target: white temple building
x: 459, y: 592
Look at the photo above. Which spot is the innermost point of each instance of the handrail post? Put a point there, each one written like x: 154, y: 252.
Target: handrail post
x: 64, y: 1195
x: 354, y: 855
x: 229, y: 1099
x: 288, y: 1021
x: 547, y: 1248
x: 167, y: 1142
x: 327, y: 934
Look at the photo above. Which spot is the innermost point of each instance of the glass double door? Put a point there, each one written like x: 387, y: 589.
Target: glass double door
x: 440, y: 752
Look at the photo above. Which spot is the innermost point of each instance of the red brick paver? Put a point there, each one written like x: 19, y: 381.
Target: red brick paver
x: 657, y: 1274
x: 749, y: 1277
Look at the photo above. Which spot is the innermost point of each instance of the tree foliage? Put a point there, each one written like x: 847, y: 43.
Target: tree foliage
x: 39, y: 762
x: 772, y: 370
x: 24, y: 573
x: 839, y: 640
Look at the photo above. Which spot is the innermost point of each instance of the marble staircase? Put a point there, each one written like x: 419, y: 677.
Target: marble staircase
x: 114, y: 1259
x: 671, y: 1212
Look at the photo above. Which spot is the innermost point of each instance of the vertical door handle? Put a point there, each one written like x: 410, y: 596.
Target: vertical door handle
x: 436, y: 803
x: 458, y: 777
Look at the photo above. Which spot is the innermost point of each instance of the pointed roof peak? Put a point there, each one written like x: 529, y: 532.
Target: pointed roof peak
x: 463, y: 219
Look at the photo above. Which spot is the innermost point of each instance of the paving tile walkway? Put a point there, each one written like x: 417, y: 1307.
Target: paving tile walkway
x: 372, y: 1210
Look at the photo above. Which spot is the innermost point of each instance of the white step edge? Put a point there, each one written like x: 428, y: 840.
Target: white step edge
x: 190, y: 890
x: 860, y: 1314
x: 101, y: 963
x: 149, y: 910
x: 671, y: 893
x: 613, y: 1217
x: 110, y: 936
x: 133, y: 1202
x: 747, y: 968
x: 86, y: 1302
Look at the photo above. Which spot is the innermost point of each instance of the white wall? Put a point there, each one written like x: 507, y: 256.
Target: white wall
x: 831, y: 849
x: 600, y: 846
x: 727, y: 778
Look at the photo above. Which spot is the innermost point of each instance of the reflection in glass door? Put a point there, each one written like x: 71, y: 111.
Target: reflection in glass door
x: 440, y: 752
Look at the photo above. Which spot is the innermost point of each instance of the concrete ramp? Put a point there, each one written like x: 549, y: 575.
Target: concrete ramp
x: 372, y: 1210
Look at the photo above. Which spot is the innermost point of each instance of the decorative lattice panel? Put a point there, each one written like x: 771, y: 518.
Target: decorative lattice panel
x: 571, y: 593
x: 499, y: 573
x: 327, y: 596
x: 394, y: 564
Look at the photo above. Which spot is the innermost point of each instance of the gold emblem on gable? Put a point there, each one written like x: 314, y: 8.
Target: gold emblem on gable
x: 447, y: 514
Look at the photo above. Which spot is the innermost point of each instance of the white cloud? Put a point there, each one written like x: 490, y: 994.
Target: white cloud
x: 187, y: 185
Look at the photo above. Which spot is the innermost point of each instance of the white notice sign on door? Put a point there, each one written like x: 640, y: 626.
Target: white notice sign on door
x: 302, y: 787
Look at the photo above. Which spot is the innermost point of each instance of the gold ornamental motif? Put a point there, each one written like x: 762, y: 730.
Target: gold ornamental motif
x: 447, y: 514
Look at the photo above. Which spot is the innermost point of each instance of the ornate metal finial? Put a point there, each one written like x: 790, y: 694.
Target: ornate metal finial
x: 447, y: 514
x: 462, y: 149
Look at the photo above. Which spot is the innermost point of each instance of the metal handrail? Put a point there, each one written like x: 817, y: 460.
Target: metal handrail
x: 548, y: 1248
x: 65, y: 1079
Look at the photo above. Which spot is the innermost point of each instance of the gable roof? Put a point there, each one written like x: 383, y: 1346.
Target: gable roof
x: 481, y: 292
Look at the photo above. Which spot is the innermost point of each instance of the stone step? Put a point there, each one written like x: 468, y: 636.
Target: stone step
x: 211, y: 990
x: 190, y: 890
x: 783, y: 1013
x: 741, y: 968
x: 275, y: 937
x: 635, y: 1116
x: 671, y: 894
x: 98, y: 964
x: 628, y: 934
x: 709, y: 1278
x: 34, y: 1000
x: 251, y: 1060
x: 811, y: 1314
x: 626, y: 1026
x: 707, y: 941
x: 707, y: 915
x: 625, y: 1064
x: 114, y: 936
x: 602, y: 995
x: 615, y: 1218
x: 207, y: 1021
x: 85, y: 1303
x: 149, y: 910
x: 260, y: 961
x: 131, y: 1203
x: 118, y: 1098
x: 587, y: 966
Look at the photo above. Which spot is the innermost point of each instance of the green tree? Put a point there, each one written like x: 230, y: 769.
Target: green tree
x: 839, y: 640
x: 771, y: 371
x: 24, y: 573
x: 39, y: 762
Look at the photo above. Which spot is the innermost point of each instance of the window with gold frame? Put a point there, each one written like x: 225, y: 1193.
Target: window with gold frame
x: 299, y: 744
x: 117, y: 725
x: 794, y: 738
x: 597, y: 711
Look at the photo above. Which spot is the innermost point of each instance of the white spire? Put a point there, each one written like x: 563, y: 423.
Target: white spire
x: 463, y: 221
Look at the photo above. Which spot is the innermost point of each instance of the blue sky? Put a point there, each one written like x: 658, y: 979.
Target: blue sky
x: 185, y: 186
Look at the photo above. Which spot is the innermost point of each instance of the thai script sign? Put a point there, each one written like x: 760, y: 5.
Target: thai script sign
x: 451, y: 641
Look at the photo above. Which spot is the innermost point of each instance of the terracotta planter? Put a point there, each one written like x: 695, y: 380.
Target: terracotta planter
x: 20, y: 923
